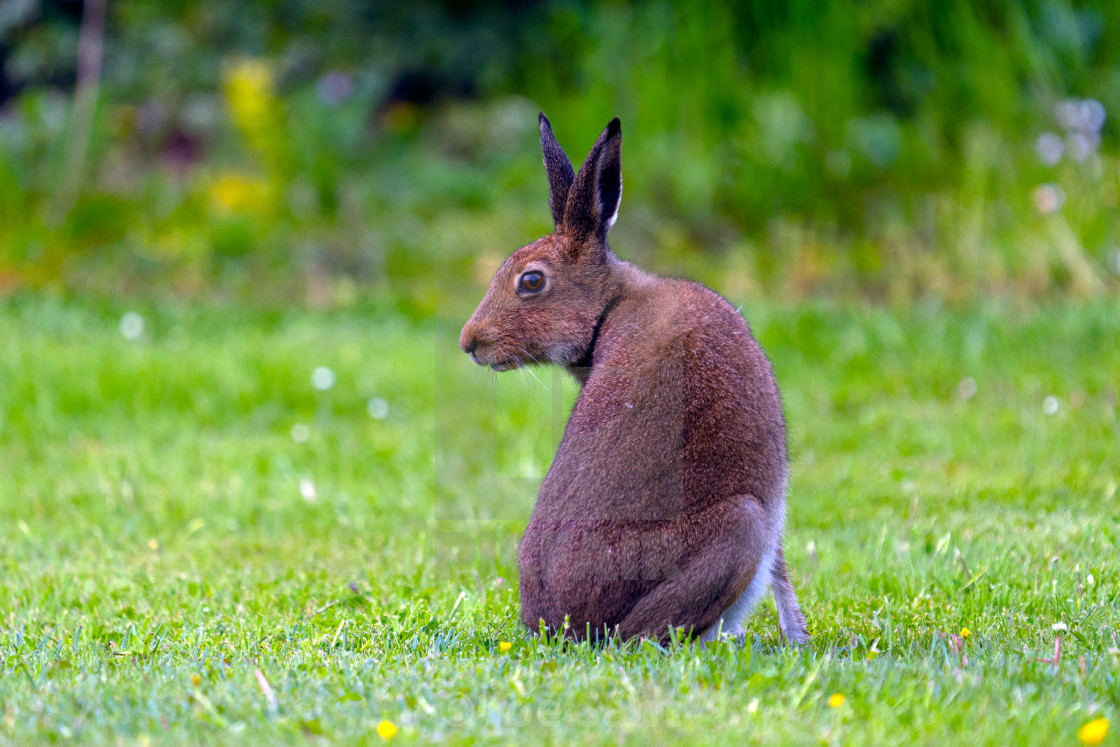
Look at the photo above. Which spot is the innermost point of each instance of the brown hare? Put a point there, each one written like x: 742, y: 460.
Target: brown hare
x: 665, y: 505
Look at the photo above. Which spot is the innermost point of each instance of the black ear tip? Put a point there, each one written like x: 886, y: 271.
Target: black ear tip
x: 543, y: 120
x: 614, y: 127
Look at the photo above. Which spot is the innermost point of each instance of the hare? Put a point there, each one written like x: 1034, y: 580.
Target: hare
x: 665, y: 505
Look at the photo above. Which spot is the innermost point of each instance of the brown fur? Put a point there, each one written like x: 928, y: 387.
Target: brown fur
x: 667, y: 490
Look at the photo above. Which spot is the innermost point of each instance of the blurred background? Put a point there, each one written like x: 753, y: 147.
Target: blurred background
x: 329, y: 152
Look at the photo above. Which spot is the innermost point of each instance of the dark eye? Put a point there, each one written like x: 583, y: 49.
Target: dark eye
x: 531, y: 281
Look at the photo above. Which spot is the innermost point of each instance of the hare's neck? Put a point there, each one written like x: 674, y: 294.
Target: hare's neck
x: 581, y: 369
x: 630, y: 278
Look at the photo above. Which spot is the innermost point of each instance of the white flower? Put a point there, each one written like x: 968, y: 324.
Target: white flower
x: 1047, y: 198
x: 966, y: 389
x: 1092, y: 115
x: 1069, y: 114
x: 1050, y: 405
x: 307, y: 489
x: 1059, y: 627
x: 377, y: 408
x: 1082, y: 120
x: 322, y: 378
x: 132, y: 326
x: 1081, y: 145
x: 1048, y: 146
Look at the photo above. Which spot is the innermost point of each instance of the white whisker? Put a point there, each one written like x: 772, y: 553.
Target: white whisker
x: 530, y: 372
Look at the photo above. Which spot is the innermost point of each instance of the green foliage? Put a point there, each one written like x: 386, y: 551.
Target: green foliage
x: 887, y: 149
x: 180, y: 509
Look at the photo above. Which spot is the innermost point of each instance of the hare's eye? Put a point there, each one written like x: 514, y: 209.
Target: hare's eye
x: 531, y: 282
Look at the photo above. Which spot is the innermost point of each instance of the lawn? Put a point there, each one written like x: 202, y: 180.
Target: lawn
x: 198, y: 545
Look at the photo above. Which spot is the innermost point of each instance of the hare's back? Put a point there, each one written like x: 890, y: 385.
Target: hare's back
x: 733, y: 436
x: 680, y: 411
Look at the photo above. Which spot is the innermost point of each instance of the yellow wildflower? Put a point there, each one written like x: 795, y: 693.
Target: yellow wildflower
x: 965, y: 632
x: 1094, y: 732
x: 247, y: 89
x: 196, y: 680
x: 505, y: 645
x: 248, y: 93
x: 386, y: 730
x: 235, y: 193
x: 836, y: 700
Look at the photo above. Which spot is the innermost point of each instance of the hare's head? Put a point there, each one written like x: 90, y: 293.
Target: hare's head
x: 546, y: 300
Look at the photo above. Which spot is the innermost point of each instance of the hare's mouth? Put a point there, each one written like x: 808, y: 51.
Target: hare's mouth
x: 504, y: 365
x: 508, y: 365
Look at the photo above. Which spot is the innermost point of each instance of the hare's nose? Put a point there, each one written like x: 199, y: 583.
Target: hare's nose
x: 468, y: 341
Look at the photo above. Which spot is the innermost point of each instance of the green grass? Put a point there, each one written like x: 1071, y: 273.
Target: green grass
x: 156, y: 550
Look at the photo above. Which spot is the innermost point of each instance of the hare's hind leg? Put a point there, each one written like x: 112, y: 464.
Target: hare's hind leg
x: 790, y: 620
x: 723, y: 558
x: 731, y: 621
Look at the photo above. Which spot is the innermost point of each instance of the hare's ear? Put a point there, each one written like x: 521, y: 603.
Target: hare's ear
x: 597, y: 191
x: 559, y: 171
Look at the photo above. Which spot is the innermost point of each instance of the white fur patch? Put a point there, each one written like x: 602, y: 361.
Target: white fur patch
x: 614, y: 215
x: 731, y: 621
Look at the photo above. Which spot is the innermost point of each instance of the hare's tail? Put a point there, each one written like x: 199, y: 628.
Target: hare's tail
x: 790, y: 620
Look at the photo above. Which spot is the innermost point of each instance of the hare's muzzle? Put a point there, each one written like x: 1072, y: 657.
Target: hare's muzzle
x: 470, y: 340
